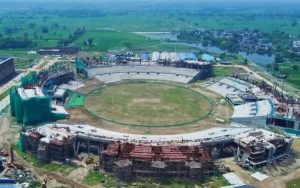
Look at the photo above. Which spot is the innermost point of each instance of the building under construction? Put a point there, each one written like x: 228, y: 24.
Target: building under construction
x: 7, y: 69
x: 191, y: 156
x: 259, y: 148
x: 31, y: 102
x: 128, y: 161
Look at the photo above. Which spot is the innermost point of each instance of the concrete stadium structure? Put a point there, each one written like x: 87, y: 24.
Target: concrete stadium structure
x: 116, y: 73
x: 162, y: 156
x: 258, y: 104
x: 7, y: 69
x: 251, y: 104
x: 60, y: 142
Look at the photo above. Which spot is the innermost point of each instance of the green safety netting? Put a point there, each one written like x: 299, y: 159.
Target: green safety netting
x: 36, y: 109
x: 79, y: 64
x: 12, y: 94
x: 58, y: 116
x: 20, y: 143
x: 292, y: 131
x: 75, y: 100
x: 30, y: 79
x: 32, y: 111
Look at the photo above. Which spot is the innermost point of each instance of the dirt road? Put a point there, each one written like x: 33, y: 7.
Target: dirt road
x: 276, y: 181
x: 8, y: 135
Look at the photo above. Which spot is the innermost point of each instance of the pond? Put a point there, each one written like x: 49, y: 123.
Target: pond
x: 171, y: 38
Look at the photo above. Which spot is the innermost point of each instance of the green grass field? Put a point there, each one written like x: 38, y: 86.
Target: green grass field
x: 294, y: 183
x: 148, y: 103
x: 95, y: 178
x: 223, y: 71
x: 105, y: 40
x: 49, y: 167
x: 293, y: 74
x: 98, y: 178
x: 115, y: 30
x: 75, y: 100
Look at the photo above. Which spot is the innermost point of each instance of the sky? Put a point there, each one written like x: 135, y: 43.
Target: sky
x: 23, y: 4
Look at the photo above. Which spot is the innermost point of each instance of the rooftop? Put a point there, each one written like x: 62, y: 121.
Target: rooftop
x: 29, y: 93
x: 3, y: 59
x: 233, y: 179
x: 207, y: 57
x: 60, y: 131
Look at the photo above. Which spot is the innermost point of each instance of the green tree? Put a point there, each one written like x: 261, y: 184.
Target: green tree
x: 90, y: 41
x: 295, y: 67
x: 222, y: 55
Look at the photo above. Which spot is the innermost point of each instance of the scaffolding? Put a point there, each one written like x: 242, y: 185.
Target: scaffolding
x: 123, y: 169
x: 159, y: 162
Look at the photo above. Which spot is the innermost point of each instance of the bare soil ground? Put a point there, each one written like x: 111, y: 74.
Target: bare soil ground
x: 145, y: 100
x: 8, y: 134
x: 279, y: 174
x: 90, y: 85
x: 79, y: 174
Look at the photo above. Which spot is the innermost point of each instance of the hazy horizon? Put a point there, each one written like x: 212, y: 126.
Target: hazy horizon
x: 270, y: 5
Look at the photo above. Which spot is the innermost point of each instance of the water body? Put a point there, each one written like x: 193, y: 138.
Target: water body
x: 169, y: 37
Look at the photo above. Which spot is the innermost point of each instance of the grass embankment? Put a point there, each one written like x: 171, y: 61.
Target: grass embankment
x: 293, y: 70
x: 3, y: 95
x: 223, y: 71
x: 95, y: 178
x: 294, y: 183
x: 235, y: 59
x: 64, y: 169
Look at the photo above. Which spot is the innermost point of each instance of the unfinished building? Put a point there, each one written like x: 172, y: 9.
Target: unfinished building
x: 7, y: 69
x: 128, y: 161
x: 191, y: 156
x: 261, y: 148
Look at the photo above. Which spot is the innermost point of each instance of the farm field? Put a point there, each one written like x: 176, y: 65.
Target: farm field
x: 113, y: 28
x: 106, y: 40
x: 47, y: 28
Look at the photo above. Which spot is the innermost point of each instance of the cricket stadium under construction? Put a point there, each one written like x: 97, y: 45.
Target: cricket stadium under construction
x: 43, y: 99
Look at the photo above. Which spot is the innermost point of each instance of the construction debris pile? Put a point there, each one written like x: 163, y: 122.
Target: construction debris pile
x: 15, y: 173
x: 22, y: 176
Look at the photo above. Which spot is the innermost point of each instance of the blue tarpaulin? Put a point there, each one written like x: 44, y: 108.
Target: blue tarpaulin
x: 207, y: 57
x: 191, y: 56
x: 182, y: 56
x: 145, y: 56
